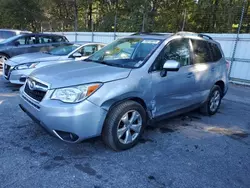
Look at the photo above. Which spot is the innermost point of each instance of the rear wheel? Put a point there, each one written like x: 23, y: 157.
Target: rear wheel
x: 213, y: 102
x: 3, y: 58
x: 124, y: 125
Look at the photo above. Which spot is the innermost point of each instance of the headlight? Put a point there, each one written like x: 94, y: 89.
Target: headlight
x: 26, y: 66
x: 76, y: 93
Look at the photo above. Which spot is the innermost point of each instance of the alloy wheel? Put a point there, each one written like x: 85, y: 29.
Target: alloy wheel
x: 215, y: 101
x: 129, y: 127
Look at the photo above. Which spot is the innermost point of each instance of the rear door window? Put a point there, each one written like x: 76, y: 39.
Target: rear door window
x: 215, y: 52
x: 201, y: 52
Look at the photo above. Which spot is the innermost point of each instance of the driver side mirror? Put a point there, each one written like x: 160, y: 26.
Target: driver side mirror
x: 170, y: 65
x: 76, y: 55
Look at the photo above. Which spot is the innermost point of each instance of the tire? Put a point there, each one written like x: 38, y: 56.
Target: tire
x: 120, y: 118
x: 3, y: 58
x: 206, y: 108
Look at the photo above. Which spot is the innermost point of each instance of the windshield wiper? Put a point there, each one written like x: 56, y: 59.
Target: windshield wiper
x: 98, y: 61
x: 107, y: 63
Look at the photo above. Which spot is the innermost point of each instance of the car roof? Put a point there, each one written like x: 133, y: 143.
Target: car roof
x: 160, y: 36
x: 89, y: 43
x: 40, y: 34
x: 15, y: 30
x: 163, y: 36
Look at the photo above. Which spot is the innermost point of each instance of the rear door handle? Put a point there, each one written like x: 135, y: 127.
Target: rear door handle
x: 213, y: 69
x: 189, y: 75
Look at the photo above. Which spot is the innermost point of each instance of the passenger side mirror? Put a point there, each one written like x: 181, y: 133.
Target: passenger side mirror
x: 170, y: 65
x: 76, y: 55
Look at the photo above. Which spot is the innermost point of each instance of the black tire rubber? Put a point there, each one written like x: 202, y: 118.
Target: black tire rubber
x: 109, y: 132
x: 205, y: 109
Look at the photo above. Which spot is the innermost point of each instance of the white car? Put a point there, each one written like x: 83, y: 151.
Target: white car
x: 16, y: 69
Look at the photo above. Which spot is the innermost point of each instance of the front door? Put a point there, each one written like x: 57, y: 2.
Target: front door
x: 175, y: 91
x: 24, y: 44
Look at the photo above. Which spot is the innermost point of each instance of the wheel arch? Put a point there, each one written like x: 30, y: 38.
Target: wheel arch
x: 221, y: 84
x: 5, y: 54
x: 109, y: 105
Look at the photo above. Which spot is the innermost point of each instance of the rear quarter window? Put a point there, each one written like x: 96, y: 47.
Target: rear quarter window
x: 216, y: 53
x: 59, y: 39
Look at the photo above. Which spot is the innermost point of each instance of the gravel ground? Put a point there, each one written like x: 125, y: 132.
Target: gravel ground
x: 187, y: 151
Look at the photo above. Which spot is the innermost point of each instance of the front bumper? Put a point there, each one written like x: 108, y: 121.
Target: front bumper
x: 69, y: 122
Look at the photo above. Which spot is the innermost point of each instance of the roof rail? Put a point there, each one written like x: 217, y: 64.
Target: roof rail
x: 148, y: 33
x: 184, y: 33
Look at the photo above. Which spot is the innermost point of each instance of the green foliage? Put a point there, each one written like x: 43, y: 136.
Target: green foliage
x: 130, y: 15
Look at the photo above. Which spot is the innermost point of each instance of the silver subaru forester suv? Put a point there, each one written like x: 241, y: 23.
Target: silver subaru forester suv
x: 129, y: 83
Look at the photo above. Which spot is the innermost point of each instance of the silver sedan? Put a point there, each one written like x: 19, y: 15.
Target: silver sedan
x: 18, y: 68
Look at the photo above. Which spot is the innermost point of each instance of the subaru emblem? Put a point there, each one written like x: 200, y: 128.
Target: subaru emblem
x: 32, y: 84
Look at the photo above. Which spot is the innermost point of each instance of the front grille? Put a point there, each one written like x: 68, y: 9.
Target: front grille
x: 36, y: 92
x: 6, y: 70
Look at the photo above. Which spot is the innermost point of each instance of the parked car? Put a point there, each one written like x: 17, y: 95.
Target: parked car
x: 128, y: 83
x: 27, y: 43
x: 7, y: 33
x: 17, y: 68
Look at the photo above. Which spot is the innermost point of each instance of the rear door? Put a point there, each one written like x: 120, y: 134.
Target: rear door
x: 24, y: 44
x: 45, y: 43
x: 204, y: 68
x: 175, y: 91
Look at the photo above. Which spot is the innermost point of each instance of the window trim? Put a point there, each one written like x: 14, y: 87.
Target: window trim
x: 150, y: 70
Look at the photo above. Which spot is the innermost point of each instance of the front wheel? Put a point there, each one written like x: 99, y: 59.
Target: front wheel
x: 3, y: 58
x: 124, y: 125
x: 213, y: 102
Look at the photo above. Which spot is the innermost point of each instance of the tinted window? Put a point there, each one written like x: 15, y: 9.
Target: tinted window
x: 44, y: 39
x: 177, y: 50
x: 201, y: 51
x: 215, y: 51
x: 26, y: 40
x: 58, y: 39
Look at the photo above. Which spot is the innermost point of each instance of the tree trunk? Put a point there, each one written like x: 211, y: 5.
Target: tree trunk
x: 214, y: 19
x: 90, y: 16
x: 76, y: 16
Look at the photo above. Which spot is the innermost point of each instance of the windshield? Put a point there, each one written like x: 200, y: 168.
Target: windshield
x: 63, y: 50
x: 126, y: 52
x: 10, y: 39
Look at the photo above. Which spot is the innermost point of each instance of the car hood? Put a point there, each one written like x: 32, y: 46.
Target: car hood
x: 35, y: 57
x: 76, y: 73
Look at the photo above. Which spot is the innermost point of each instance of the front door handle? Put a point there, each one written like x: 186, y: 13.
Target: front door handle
x: 213, y: 69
